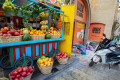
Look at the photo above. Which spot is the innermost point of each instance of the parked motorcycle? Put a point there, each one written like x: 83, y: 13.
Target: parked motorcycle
x: 106, y: 52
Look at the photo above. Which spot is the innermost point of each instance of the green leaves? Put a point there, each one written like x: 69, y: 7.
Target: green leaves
x: 54, y: 17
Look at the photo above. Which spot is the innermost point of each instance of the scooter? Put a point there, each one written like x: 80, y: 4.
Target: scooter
x: 106, y: 53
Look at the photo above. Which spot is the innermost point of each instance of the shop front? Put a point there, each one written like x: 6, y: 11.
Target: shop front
x: 81, y: 22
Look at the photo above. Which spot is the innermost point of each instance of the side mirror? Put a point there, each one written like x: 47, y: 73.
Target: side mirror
x: 104, y: 35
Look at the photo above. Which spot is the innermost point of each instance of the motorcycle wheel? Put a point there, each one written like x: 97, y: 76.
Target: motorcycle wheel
x: 91, y: 63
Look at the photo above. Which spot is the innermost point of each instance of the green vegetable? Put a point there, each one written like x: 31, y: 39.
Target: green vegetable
x: 48, y: 36
x: 43, y: 57
x: 26, y: 37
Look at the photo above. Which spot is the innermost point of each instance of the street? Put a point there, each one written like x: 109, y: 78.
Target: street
x: 81, y: 70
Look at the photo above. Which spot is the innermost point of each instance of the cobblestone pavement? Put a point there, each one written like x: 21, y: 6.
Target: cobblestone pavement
x: 81, y: 71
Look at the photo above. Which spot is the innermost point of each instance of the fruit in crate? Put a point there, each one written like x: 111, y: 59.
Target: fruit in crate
x: 44, y: 27
x: 26, y: 31
x: 21, y: 72
x: 61, y: 55
x: 26, y: 37
x: 48, y: 36
x: 44, y: 61
x: 54, y: 32
x: 22, y: 29
x: 43, y: 57
x: 7, y: 32
x: 30, y: 28
x: 51, y: 28
x: 46, y: 14
x: 36, y: 32
x: 44, y: 22
x: 42, y: 14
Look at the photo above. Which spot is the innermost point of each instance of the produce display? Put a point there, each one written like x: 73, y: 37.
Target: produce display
x: 8, y: 6
x: 26, y: 37
x: 54, y: 32
x: 41, y: 18
x: 21, y: 72
x: 44, y: 14
x: 44, y: 61
x: 7, y: 32
x: 36, y: 32
x: 61, y: 55
x: 62, y: 58
x: 47, y: 36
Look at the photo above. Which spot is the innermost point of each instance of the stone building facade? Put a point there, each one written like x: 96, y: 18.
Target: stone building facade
x: 104, y: 11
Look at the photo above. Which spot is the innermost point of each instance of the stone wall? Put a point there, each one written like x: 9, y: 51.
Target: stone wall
x: 104, y: 11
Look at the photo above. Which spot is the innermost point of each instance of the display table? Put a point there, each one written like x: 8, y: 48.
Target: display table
x: 34, y: 49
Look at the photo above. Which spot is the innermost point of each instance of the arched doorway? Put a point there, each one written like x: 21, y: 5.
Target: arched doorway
x: 81, y: 21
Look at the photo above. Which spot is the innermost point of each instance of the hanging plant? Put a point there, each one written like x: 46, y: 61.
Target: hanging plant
x: 26, y: 11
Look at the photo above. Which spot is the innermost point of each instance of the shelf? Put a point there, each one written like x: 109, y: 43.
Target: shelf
x: 29, y: 42
x: 33, y: 21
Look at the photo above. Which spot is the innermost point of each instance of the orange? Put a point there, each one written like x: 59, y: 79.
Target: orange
x: 31, y: 33
x: 5, y: 27
x: 2, y: 29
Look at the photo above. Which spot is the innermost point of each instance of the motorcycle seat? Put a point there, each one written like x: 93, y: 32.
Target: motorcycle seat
x: 116, y: 51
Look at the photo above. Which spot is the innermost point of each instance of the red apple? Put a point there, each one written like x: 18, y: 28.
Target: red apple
x: 16, y: 34
x: 14, y: 73
x: 58, y: 54
x: 16, y: 79
x: 9, y: 34
x: 58, y: 57
x: 21, y: 33
x: 1, y: 34
x: 8, y: 29
x: 4, y: 35
x: 12, y: 31
x: 30, y: 67
x: 25, y: 69
x: 19, y: 69
x: 18, y: 30
x: 4, y: 31
x: 28, y: 73
x: 21, y: 78
x: 12, y: 77
x: 23, y: 74
x: 18, y: 75
x: 31, y: 70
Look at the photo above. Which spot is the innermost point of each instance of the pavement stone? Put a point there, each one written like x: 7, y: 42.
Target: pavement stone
x: 81, y: 70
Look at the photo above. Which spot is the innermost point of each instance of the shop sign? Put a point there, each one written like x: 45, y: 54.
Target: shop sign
x: 78, y: 33
x: 96, y: 31
x: 80, y: 9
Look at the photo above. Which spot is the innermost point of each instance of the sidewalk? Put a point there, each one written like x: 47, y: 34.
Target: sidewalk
x: 81, y: 71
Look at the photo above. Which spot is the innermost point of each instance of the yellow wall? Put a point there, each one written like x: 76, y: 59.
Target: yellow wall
x: 66, y: 45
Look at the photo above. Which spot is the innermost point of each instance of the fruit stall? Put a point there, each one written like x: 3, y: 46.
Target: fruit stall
x: 20, y: 37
